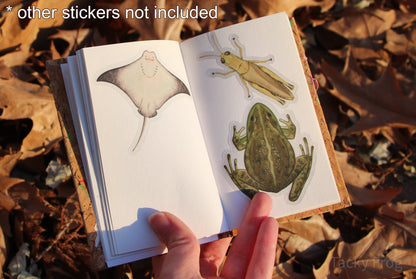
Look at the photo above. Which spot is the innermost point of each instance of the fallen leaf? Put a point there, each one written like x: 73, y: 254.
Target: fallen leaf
x: 307, y: 240
x: 74, y: 38
x: 397, y: 44
x: 12, y: 34
x: 8, y: 162
x: 367, y: 258
x: 369, y: 198
x: 211, y: 24
x: 380, y: 103
x: 6, y: 182
x: 71, y: 213
x: 7, y: 203
x: 3, y: 249
x: 5, y: 72
x: 20, y: 99
x: 403, y: 256
x: 407, y: 224
x: 286, y: 270
x: 256, y: 8
x: 5, y: 3
x: 354, y: 176
x: 386, y: 210
x: 363, y: 28
x: 27, y: 196
x: 160, y: 28
x: 408, y: 6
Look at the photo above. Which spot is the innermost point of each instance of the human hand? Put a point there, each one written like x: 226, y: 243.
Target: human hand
x: 251, y: 255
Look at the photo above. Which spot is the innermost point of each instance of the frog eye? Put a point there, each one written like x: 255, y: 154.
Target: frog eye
x: 269, y: 114
x: 222, y: 60
x: 227, y: 53
x: 252, y: 118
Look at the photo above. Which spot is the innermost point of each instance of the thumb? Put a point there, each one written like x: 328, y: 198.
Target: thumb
x: 182, y: 259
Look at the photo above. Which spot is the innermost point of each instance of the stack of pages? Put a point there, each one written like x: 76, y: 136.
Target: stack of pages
x: 196, y: 129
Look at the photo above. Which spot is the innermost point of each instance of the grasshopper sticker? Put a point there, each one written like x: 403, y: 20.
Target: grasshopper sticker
x: 258, y: 77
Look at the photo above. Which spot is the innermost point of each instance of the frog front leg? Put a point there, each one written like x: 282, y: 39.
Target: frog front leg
x: 241, y: 178
x: 301, y: 171
x: 239, y: 141
x: 289, y: 131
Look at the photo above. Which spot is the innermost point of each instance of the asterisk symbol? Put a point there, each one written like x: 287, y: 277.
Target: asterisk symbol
x: 9, y: 8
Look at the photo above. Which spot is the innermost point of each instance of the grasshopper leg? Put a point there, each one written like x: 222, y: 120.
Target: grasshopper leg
x: 223, y: 74
x: 260, y: 61
x: 245, y: 84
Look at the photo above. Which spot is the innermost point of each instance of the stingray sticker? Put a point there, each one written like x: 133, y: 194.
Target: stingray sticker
x: 147, y: 83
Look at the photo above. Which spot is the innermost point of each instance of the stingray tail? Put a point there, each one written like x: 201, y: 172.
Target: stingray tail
x: 141, y: 133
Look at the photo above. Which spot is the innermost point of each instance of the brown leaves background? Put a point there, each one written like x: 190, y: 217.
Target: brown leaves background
x: 363, y: 53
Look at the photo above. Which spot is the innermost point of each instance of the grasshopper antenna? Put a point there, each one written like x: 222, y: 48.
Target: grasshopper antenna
x: 209, y: 55
x: 215, y: 42
x: 216, y: 45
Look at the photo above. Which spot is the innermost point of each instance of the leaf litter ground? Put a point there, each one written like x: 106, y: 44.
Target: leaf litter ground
x: 363, y: 54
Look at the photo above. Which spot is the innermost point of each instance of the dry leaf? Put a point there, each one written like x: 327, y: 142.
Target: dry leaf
x: 380, y: 103
x: 8, y: 162
x: 27, y: 196
x: 386, y: 210
x: 400, y: 44
x: 5, y: 72
x: 12, y: 34
x: 403, y: 256
x: 367, y: 258
x: 363, y: 28
x: 71, y: 213
x: 74, y: 38
x: 408, y: 5
x: 286, y: 271
x: 371, y: 198
x: 353, y: 175
x: 257, y: 8
x: 365, y: 31
x: 407, y: 224
x: 307, y: 240
x: 6, y: 183
x: 356, y: 181
x: 156, y: 28
x: 20, y: 99
x: 211, y: 24
x: 3, y: 249
x: 396, y: 43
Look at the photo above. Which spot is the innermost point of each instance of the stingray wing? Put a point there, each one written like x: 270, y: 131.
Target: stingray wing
x: 147, y: 83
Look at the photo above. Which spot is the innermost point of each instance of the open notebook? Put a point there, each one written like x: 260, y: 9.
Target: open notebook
x: 196, y: 128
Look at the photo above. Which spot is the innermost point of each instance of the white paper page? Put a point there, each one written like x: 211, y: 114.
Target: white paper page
x: 168, y: 171
x: 78, y: 102
x: 222, y: 102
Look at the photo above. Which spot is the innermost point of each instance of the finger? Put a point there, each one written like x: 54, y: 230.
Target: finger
x: 264, y: 253
x: 240, y: 253
x: 182, y: 259
x: 212, y: 256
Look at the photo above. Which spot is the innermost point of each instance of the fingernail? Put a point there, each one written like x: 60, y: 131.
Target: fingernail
x: 160, y: 225
x: 156, y: 215
x: 159, y: 222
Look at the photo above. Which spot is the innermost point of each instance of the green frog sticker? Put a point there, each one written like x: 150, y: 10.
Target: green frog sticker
x: 269, y: 158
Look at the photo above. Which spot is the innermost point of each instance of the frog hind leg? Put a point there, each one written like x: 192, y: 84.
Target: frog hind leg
x: 241, y: 178
x: 302, y: 169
